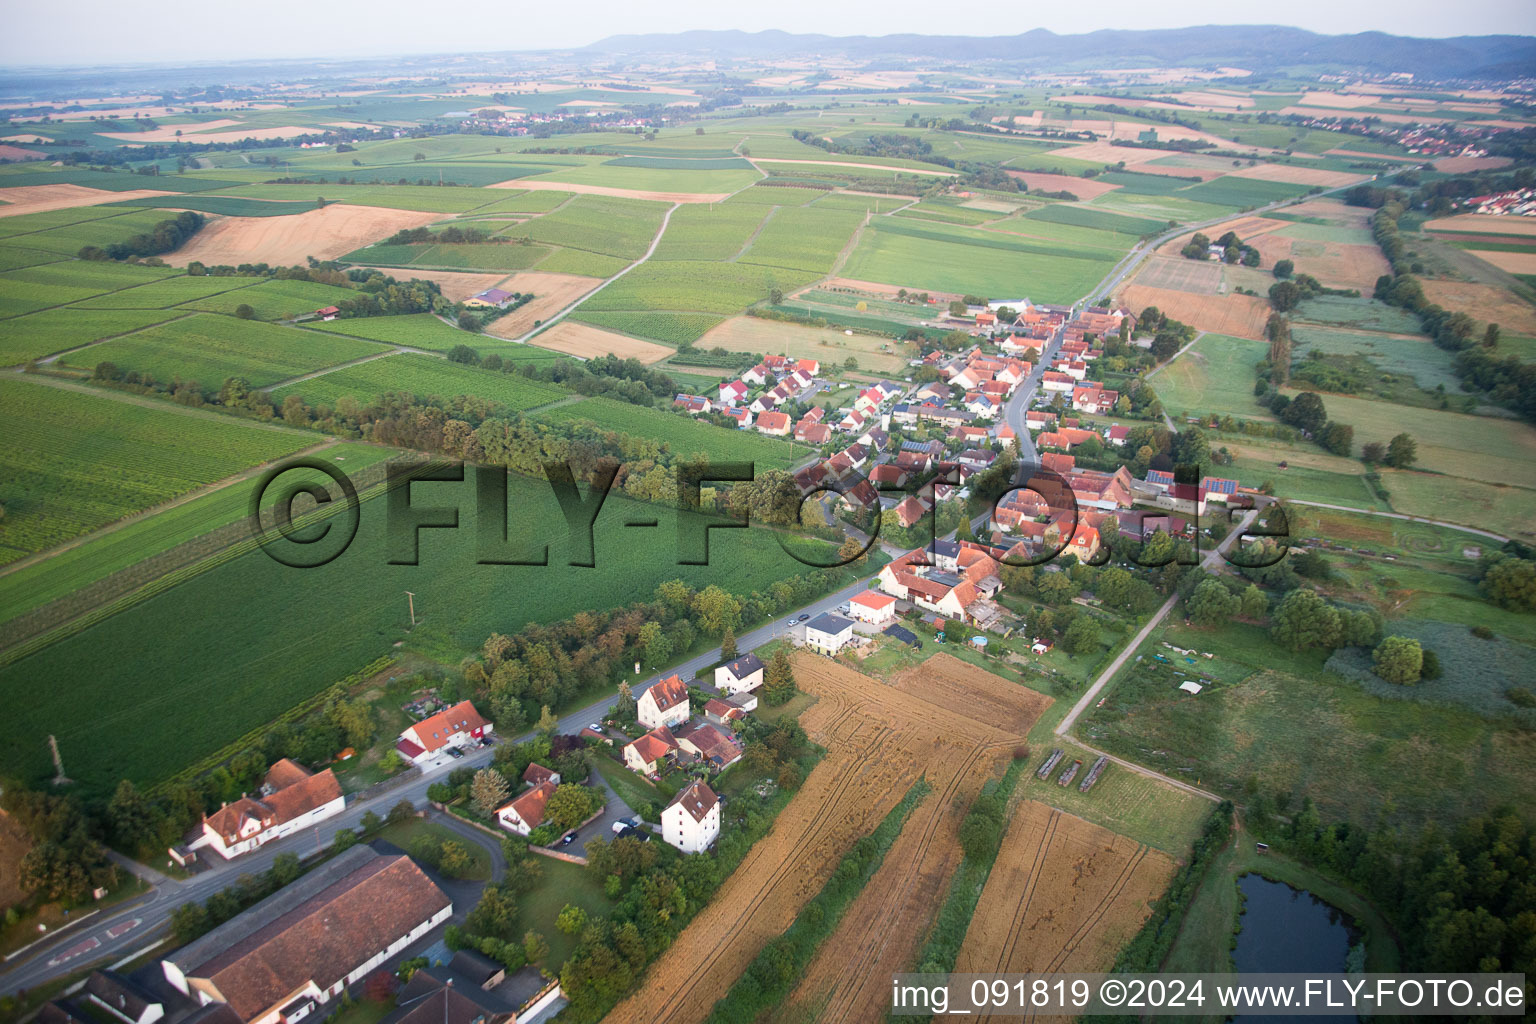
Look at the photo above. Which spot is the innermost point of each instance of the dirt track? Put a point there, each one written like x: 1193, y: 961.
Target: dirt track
x: 1064, y: 895
x: 880, y: 738
x: 324, y: 234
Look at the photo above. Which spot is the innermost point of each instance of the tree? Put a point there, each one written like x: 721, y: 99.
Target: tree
x: 245, y: 312
x: 1211, y: 603
x: 454, y: 860
x: 1373, y: 452
x: 572, y: 919
x: 1491, y: 336
x: 1402, y: 452
x: 957, y: 307
x: 728, y: 645
x: 548, y: 723
x: 133, y: 819
x: 1398, y: 659
x: 1306, y: 412
x: 535, y: 946
x: 1164, y: 346
x: 1305, y: 620
x: 1338, y: 438
x: 775, y: 296
x: 624, y: 708
x: 469, y: 322
x: 1284, y: 295
x: 1284, y: 268
x: 718, y: 610
x: 1082, y: 636
x: 1253, y: 603
x: 1511, y: 583
x: 489, y: 790
x: 569, y: 805
x: 778, y: 680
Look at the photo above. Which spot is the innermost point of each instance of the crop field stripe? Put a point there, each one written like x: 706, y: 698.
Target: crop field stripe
x: 1042, y: 851
x: 1129, y: 869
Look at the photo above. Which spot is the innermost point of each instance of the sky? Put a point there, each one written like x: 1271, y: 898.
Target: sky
x: 186, y: 31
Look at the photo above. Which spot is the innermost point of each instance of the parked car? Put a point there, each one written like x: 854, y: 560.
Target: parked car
x: 569, y: 837
x: 804, y: 618
x: 621, y: 825
x: 596, y: 727
x: 455, y: 753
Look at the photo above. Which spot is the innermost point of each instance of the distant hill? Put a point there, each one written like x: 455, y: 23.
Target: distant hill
x: 1256, y: 47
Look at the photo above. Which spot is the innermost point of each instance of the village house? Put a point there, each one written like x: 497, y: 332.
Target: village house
x: 458, y: 726
x: 693, y: 404
x: 663, y: 704
x: 649, y: 753
x: 1091, y: 398
x: 120, y: 997
x: 526, y: 813
x: 536, y: 775
x: 745, y: 673
x: 291, y: 799
x: 710, y: 744
x: 873, y: 607
x: 743, y: 417
x: 813, y: 433
x: 294, y: 953
x: 758, y: 375
x: 828, y: 633
x: 733, y: 392
x: 959, y: 583
x: 691, y: 822
x: 722, y: 713
x: 1055, y: 380
x: 774, y: 424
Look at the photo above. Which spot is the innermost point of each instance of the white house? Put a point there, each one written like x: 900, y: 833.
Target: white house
x: 458, y: 726
x: 691, y: 822
x: 745, y: 673
x: 646, y: 754
x: 526, y: 813
x: 664, y: 704
x: 290, y: 800
x: 293, y: 954
x: 828, y: 633
x: 873, y: 607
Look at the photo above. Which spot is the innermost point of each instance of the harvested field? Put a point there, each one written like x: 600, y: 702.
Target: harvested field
x: 1180, y: 170
x: 1106, y: 153
x: 526, y: 184
x: 1299, y: 175
x: 324, y: 234
x: 37, y: 198
x: 1336, y: 265
x: 752, y: 334
x: 1084, y: 188
x: 168, y: 134
x: 1463, y: 164
x: 1512, y: 262
x: 1373, y: 156
x: 1064, y: 895
x: 1242, y: 316
x: 585, y: 341
x: 866, y: 167
x: 1333, y: 211
x: 455, y: 287
x: 1484, y: 302
x: 880, y: 739
x: 552, y: 293
x: 1482, y: 223
x: 1249, y: 229
x: 1202, y: 277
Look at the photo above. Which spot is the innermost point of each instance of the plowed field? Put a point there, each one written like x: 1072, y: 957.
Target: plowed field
x: 945, y: 720
x: 283, y: 241
x: 1242, y: 316
x: 1064, y: 895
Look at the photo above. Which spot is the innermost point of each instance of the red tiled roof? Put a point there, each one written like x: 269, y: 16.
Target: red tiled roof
x: 654, y: 745
x: 670, y: 692
x: 697, y: 799
x: 432, y: 733
x: 873, y: 600
x: 530, y: 806
x: 536, y: 774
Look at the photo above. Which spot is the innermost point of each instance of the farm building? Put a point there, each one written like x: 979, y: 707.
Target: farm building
x: 458, y: 726
x: 664, y: 704
x: 691, y: 822
x: 745, y: 673
x: 828, y: 633
x: 491, y: 298
x: 295, y: 952
x: 291, y: 799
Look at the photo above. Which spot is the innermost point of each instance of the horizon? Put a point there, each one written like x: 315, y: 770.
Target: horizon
x: 105, y: 34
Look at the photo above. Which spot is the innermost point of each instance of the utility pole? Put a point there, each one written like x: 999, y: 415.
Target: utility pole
x: 59, y: 778
x: 411, y: 600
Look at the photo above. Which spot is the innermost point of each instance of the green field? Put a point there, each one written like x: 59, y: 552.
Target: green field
x: 58, y: 284
x: 800, y: 238
x: 948, y: 213
x: 426, y: 331
x: 275, y: 300
x: 667, y: 328
x: 171, y: 291
x: 1418, y: 358
x: 53, y: 330
x: 425, y: 377
x: 213, y: 633
x: 68, y: 238
x: 891, y: 255
x: 711, y: 232
x: 1362, y: 314
x: 600, y: 224
x: 1242, y: 192
x: 695, y: 287
x: 656, y: 179
x: 209, y: 348
x: 537, y: 201
x: 15, y: 257
x: 64, y: 572
x: 1215, y: 376
x: 684, y: 435
x: 74, y: 462
x: 1087, y: 217
x: 225, y: 206
x: 587, y: 264
x: 863, y: 204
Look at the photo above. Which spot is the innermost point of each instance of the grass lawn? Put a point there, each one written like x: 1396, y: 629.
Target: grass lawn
x: 407, y: 832
x: 1501, y: 509
x: 561, y: 884
x: 1215, y: 376
x: 634, y: 790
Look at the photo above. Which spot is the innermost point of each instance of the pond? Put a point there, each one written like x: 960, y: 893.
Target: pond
x: 1287, y: 930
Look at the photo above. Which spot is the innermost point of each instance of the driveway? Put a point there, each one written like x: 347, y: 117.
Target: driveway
x: 613, y: 810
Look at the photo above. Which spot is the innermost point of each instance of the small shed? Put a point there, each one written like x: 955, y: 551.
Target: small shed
x: 1190, y: 686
